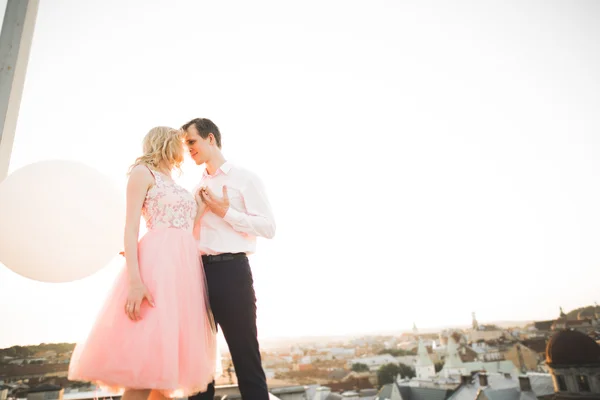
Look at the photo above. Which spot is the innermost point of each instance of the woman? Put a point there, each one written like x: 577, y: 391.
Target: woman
x: 154, y: 335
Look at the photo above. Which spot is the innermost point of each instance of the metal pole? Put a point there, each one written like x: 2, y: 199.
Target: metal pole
x: 15, y: 44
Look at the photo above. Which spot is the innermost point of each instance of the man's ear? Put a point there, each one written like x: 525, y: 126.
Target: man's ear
x: 211, y: 138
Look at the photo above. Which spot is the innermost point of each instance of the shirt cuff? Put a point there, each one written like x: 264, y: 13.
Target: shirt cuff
x: 232, y: 216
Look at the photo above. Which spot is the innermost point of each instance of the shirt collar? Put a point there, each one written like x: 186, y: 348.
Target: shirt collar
x: 224, y: 168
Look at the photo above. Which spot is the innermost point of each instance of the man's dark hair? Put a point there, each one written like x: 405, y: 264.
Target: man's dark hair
x: 204, y: 126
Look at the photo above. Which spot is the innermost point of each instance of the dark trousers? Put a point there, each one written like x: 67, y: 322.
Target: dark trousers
x: 233, y: 303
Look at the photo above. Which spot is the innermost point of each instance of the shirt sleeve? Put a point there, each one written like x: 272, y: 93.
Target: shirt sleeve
x: 257, y: 219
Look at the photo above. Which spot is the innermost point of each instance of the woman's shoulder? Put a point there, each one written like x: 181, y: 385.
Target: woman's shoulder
x: 141, y: 173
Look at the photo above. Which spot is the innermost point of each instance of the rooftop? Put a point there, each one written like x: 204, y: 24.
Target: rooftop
x: 506, y: 387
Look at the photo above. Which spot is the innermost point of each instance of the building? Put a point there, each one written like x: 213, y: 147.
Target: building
x: 538, y: 345
x: 374, y: 362
x: 411, y: 361
x: 28, y: 372
x: 488, y: 351
x: 326, y: 393
x: 586, y: 320
x: 523, y: 357
x: 468, y: 354
x: 501, y: 367
x: 401, y: 391
x: 573, y: 359
x: 341, y: 353
x: 45, y: 392
x: 542, y: 328
x: 495, y: 386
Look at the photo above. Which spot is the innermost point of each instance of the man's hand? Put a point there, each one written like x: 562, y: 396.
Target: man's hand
x: 219, y: 206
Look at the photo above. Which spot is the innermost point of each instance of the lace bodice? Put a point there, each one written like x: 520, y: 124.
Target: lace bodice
x: 168, y: 205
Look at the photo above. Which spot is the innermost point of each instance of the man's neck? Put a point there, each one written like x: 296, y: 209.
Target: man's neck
x: 215, y: 163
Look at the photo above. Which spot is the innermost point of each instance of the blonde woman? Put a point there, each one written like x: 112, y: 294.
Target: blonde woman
x: 154, y: 337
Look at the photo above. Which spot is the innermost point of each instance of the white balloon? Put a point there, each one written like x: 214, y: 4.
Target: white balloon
x: 60, y: 221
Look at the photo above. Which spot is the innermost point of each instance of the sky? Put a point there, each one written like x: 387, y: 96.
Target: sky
x: 424, y: 160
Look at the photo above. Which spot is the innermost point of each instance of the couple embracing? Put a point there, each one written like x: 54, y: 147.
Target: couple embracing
x: 155, y: 336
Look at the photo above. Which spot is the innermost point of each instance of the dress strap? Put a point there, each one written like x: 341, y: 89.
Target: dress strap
x: 157, y: 177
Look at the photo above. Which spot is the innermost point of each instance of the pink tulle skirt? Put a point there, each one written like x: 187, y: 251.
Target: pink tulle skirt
x: 173, y: 347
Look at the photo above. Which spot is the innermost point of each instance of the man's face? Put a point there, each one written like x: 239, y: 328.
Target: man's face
x: 200, y: 149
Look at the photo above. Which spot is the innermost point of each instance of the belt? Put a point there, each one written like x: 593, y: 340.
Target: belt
x: 209, y: 259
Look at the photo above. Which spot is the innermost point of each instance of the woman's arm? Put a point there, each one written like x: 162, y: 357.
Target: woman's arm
x: 139, y: 182
x: 201, y: 209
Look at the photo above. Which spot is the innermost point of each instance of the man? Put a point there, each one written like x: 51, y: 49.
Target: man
x: 228, y: 232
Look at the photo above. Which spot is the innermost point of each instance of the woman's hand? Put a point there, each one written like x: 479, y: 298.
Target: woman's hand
x: 201, y: 203
x: 198, y: 196
x: 201, y: 209
x: 135, y: 297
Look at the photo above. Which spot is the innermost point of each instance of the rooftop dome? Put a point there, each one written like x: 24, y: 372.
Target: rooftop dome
x: 569, y: 347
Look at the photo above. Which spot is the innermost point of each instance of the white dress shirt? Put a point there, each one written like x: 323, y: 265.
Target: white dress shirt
x: 248, y: 217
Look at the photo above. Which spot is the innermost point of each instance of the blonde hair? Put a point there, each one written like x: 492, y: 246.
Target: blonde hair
x: 161, y: 145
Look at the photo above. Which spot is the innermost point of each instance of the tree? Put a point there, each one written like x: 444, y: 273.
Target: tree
x: 388, y: 373
x: 407, y: 371
x: 398, y: 352
x: 360, y: 367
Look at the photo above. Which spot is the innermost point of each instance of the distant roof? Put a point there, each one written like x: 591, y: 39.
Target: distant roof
x: 501, y: 366
x: 94, y: 394
x: 479, y: 350
x: 327, y: 396
x: 541, y: 383
x: 367, y: 392
x: 288, y: 389
x: 415, y: 393
x: 44, y: 388
x: 359, y: 383
x: 337, y: 374
x: 543, y: 325
x: 509, y: 394
x: 536, y: 344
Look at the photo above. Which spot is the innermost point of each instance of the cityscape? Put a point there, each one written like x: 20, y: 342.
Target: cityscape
x: 542, y: 359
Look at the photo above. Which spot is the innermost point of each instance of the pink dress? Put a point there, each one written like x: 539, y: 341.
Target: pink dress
x: 173, y: 347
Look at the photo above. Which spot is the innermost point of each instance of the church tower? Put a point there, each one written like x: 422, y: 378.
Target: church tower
x: 424, y: 367
x: 453, y: 365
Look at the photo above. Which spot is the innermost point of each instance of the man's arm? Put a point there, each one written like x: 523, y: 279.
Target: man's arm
x: 258, y: 219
